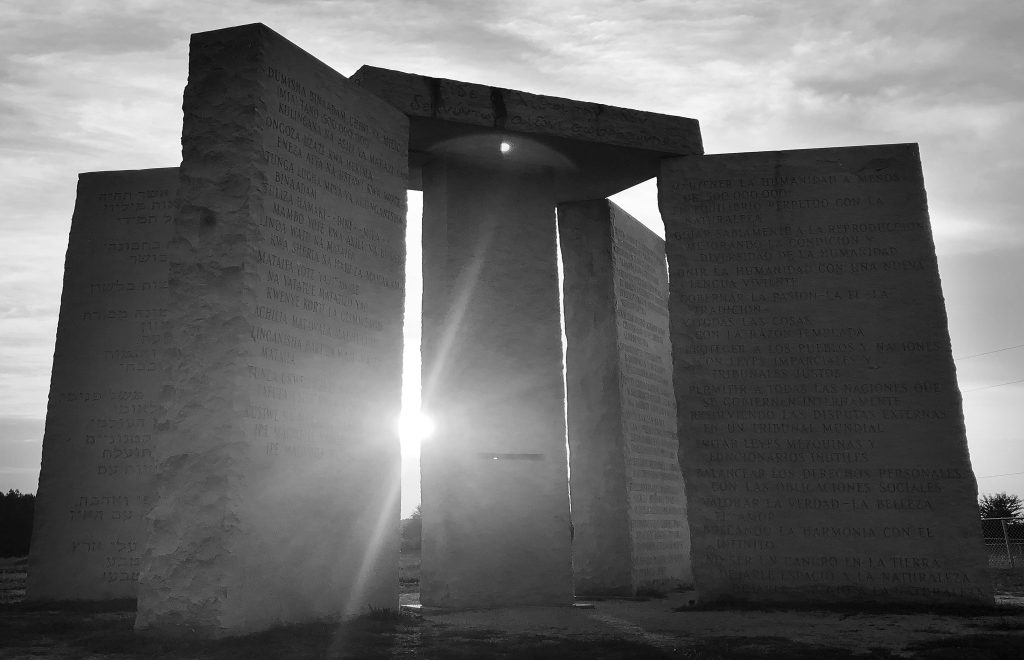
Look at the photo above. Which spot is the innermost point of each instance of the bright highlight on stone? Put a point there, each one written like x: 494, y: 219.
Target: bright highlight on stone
x: 414, y: 427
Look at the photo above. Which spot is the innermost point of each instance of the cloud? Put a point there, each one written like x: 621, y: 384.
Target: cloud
x: 88, y: 86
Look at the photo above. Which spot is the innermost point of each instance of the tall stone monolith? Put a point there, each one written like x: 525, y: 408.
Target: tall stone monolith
x: 628, y: 504
x: 278, y: 492
x: 822, y: 436
x: 98, y: 468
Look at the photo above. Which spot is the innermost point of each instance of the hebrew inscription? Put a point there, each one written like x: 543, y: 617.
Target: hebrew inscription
x: 96, y: 478
x: 821, y: 429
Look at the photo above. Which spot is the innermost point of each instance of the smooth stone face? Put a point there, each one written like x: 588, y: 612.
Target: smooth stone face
x: 628, y: 505
x: 494, y: 483
x: 96, y: 477
x: 822, y: 436
x: 278, y: 493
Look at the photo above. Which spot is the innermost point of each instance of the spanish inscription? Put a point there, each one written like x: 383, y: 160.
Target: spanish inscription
x: 820, y: 421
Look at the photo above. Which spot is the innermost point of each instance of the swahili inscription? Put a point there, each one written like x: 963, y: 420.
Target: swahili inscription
x: 657, y: 504
x: 821, y: 430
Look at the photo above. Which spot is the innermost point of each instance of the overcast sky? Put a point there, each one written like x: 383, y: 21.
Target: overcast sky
x: 88, y: 86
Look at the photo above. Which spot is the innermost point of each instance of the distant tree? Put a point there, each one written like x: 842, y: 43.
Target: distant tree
x: 412, y: 531
x: 1001, y: 505
x: 16, y: 511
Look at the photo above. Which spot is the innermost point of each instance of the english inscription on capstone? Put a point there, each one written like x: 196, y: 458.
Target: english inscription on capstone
x: 822, y: 436
x: 628, y: 503
x: 280, y: 486
x: 96, y: 477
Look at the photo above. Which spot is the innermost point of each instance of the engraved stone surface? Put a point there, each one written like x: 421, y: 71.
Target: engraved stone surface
x: 494, y: 484
x: 523, y: 112
x: 822, y: 436
x: 278, y: 493
x: 628, y: 505
x: 97, y: 469
x: 590, y: 149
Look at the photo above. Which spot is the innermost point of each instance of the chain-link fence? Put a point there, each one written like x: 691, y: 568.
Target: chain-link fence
x: 1004, y: 540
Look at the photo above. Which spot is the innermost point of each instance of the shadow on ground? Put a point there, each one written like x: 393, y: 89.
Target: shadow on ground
x: 613, y: 629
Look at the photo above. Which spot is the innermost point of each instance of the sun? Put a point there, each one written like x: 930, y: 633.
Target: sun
x: 414, y: 427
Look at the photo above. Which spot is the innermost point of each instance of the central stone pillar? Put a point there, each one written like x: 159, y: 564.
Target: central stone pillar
x: 495, y: 485
x: 493, y: 163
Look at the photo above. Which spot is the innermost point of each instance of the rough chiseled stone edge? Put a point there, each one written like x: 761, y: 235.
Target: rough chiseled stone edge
x: 233, y: 83
x: 208, y: 275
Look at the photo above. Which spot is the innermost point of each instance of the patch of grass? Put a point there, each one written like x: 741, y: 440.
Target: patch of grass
x: 409, y: 571
x: 494, y: 645
x: 742, y: 648
x: 1005, y: 623
x: 962, y: 610
x: 378, y: 635
x: 390, y: 615
x: 32, y: 627
x: 387, y: 633
x: 1008, y: 580
x: 381, y: 633
x: 13, y: 578
x: 987, y: 646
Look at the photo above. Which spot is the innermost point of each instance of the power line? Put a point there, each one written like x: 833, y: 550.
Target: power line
x: 1008, y: 474
x: 988, y: 387
x: 998, y: 350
